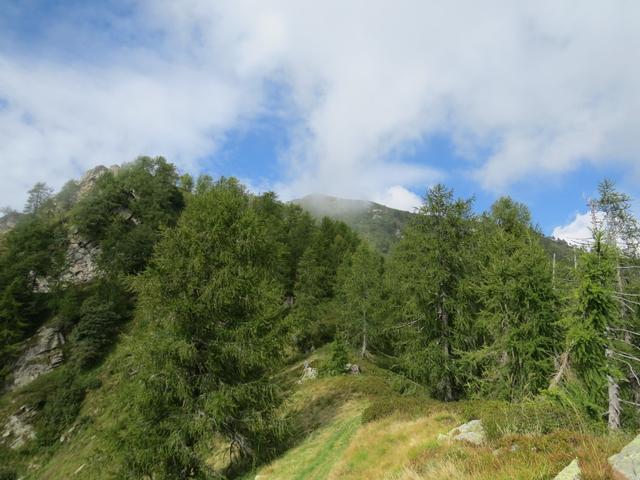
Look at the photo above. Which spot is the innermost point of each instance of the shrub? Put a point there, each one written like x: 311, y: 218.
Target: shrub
x: 339, y: 357
x: 535, y: 416
x: 404, y: 406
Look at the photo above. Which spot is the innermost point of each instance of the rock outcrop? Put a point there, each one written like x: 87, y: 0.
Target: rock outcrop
x: 81, y: 264
x: 626, y: 464
x: 43, y: 354
x: 17, y: 430
x: 470, y: 432
x: 9, y: 221
x: 570, y: 472
x: 89, y: 179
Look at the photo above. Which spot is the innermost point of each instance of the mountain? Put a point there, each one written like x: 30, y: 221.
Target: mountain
x: 379, y: 224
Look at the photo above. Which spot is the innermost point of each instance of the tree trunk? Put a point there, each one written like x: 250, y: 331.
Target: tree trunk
x: 614, y: 404
x: 444, y: 320
x: 363, y: 352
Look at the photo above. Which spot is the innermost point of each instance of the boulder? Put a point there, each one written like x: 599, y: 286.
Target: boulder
x: 352, y: 368
x: 308, y: 373
x: 570, y: 472
x: 17, y: 430
x: 43, y: 354
x: 471, y: 432
x: 626, y: 464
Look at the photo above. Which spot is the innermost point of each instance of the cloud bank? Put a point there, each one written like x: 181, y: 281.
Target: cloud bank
x: 525, y: 90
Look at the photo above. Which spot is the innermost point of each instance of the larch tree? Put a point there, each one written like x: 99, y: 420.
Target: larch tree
x: 612, y: 215
x: 213, y: 309
x: 427, y: 276
x: 360, y: 294
x: 516, y: 307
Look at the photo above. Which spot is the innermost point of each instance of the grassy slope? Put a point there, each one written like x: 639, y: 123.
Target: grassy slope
x: 332, y: 440
x: 404, y: 445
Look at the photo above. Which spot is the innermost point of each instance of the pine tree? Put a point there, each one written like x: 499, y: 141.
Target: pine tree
x: 516, y: 306
x: 212, y: 311
x: 360, y: 294
x: 596, y: 313
x: 38, y: 198
x: 612, y: 216
x: 427, y: 275
x: 314, y: 316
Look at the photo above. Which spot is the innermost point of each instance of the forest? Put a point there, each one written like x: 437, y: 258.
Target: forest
x: 210, y: 290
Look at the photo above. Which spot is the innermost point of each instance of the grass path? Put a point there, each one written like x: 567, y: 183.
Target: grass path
x: 316, y: 457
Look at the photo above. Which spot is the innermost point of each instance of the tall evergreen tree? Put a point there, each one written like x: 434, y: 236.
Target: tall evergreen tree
x: 427, y: 273
x: 212, y: 307
x: 595, y: 314
x: 517, y: 305
x: 360, y: 294
x: 612, y: 216
x: 314, y: 317
x: 39, y: 196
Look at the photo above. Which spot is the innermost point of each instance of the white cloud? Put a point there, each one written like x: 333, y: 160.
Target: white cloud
x: 577, y: 232
x: 543, y: 87
x: 400, y: 198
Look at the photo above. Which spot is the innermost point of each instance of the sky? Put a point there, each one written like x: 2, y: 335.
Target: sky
x: 369, y: 99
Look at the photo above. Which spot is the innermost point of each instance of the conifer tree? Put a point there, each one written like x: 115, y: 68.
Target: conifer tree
x: 39, y: 196
x: 595, y: 313
x: 314, y: 316
x: 360, y: 294
x: 612, y: 216
x: 427, y: 275
x: 516, y: 318
x: 212, y: 307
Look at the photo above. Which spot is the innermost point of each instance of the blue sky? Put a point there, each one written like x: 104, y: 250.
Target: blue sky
x: 371, y: 99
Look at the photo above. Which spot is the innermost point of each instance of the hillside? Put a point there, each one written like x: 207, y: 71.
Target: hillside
x: 375, y: 425
x: 157, y: 326
x: 380, y: 225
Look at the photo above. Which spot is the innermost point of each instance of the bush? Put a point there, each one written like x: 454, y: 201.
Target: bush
x: 7, y: 473
x: 404, y: 406
x: 536, y: 416
x: 58, y: 396
x: 339, y: 357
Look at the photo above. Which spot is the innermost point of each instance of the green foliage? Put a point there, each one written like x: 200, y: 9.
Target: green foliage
x: 405, y: 407
x: 339, y: 357
x: 536, y: 416
x: 360, y: 295
x: 39, y: 199
x: 314, y: 316
x: 33, y: 249
x: 427, y: 275
x: 515, y: 332
x: 212, y: 309
x: 124, y: 212
x: 595, y: 312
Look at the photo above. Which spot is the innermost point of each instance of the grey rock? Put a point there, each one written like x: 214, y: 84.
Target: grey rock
x: 43, y: 354
x: 352, y: 368
x: 308, y: 373
x: 626, y: 464
x: 470, y: 432
x: 17, y: 430
x: 570, y: 472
